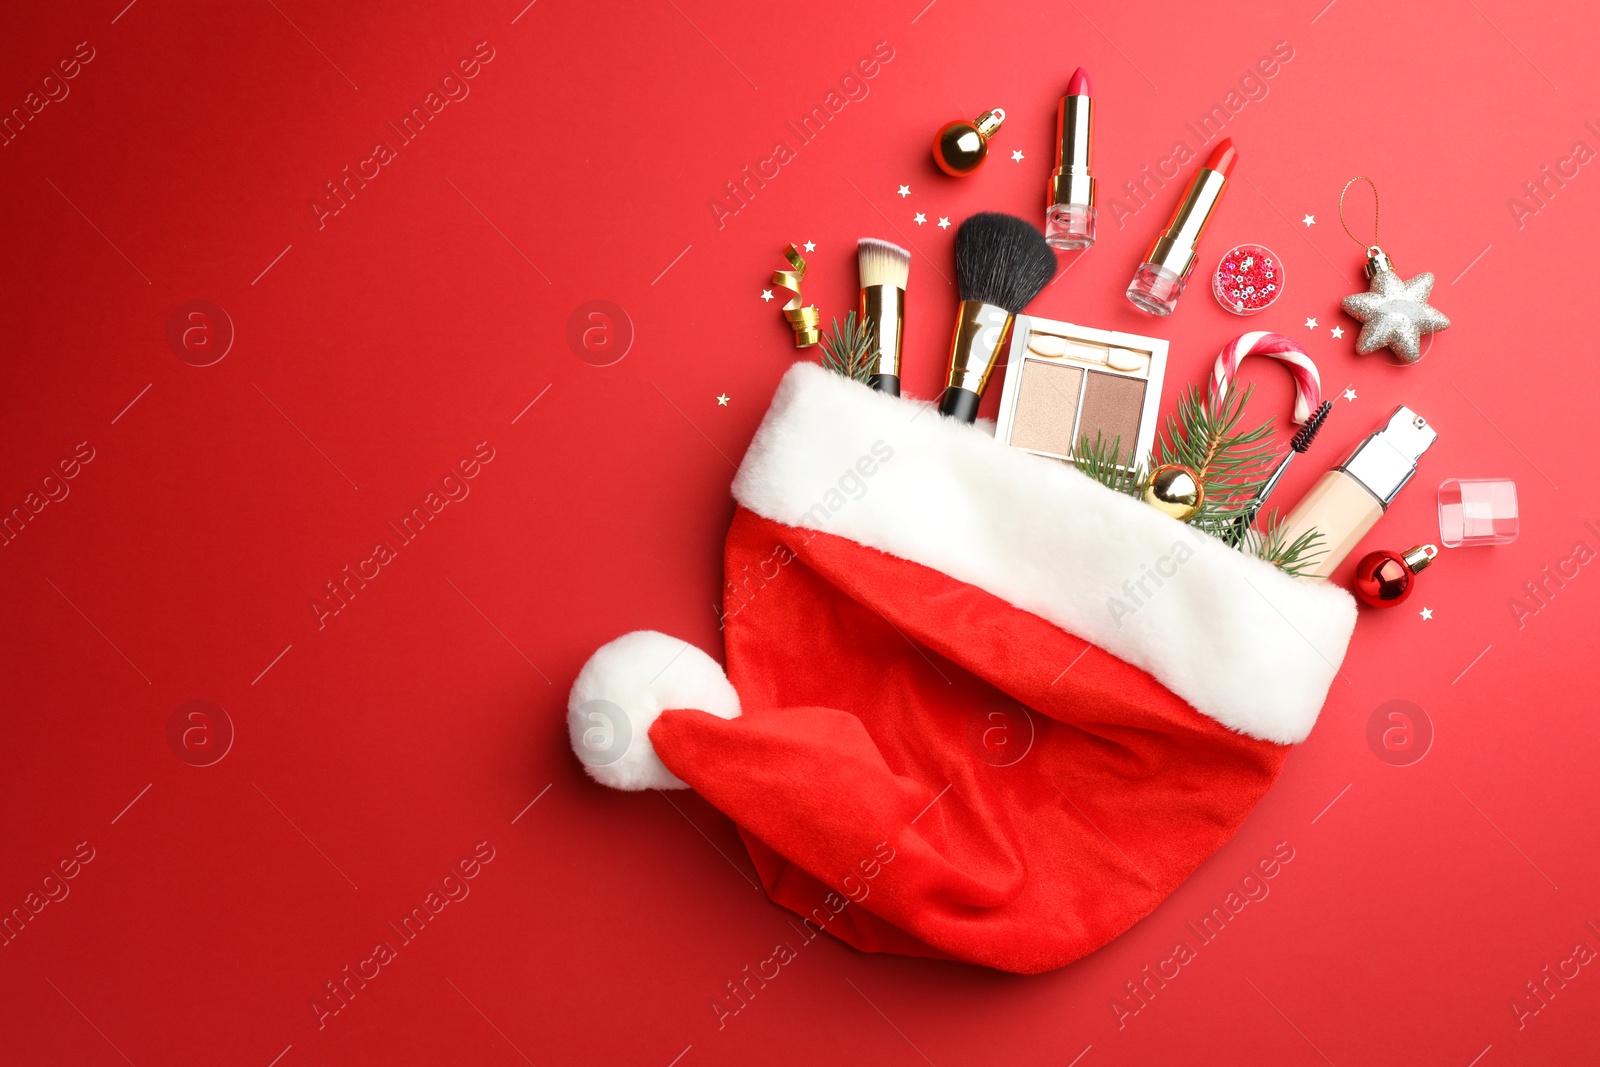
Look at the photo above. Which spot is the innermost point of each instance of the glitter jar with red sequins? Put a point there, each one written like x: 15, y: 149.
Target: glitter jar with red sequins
x: 1248, y: 279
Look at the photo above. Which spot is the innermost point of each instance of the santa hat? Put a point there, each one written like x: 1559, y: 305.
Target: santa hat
x: 977, y: 705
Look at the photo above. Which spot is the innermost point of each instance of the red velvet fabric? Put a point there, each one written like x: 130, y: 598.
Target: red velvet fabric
x: 884, y: 757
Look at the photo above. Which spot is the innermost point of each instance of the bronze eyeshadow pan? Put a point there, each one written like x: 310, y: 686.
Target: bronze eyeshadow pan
x: 1065, y: 383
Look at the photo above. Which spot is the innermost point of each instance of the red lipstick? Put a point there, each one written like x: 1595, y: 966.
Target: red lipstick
x: 1160, y: 279
x: 1223, y: 157
x: 1069, y: 206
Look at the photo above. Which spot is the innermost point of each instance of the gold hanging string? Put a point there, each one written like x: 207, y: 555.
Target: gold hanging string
x: 1346, y: 224
x: 806, y: 322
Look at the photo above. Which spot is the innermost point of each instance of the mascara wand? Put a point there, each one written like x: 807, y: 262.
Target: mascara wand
x: 1297, y: 444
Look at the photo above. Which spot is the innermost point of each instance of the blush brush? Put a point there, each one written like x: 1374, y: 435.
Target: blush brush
x: 884, y: 269
x: 1001, y: 264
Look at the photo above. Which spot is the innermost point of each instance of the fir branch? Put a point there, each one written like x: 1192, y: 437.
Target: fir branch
x: 1231, y: 464
x: 853, y: 350
x: 1105, y: 463
x: 1294, y: 558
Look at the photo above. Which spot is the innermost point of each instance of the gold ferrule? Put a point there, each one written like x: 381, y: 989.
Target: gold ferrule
x: 1378, y: 262
x: 1176, y: 248
x: 1071, y: 182
x: 885, y: 307
x: 980, y: 336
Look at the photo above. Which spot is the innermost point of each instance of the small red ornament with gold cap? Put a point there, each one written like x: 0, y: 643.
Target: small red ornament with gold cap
x: 1383, y: 578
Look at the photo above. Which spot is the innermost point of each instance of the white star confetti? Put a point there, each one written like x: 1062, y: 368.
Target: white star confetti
x: 1336, y: 333
x: 722, y: 400
x: 811, y: 246
x: 905, y: 191
x: 1016, y: 156
x: 1426, y: 613
x: 766, y: 294
x: 920, y: 218
x: 1310, y: 220
x: 944, y: 223
x: 1349, y: 394
x: 1311, y: 324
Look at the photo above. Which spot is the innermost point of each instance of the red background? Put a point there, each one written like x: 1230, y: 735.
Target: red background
x: 373, y: 753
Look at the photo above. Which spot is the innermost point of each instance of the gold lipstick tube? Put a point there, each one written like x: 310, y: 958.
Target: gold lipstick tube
x: 885, y: 307
x: 980, y: 336
x: 1070, y: 211
x: 1160, y: 279
x: 1178, y: 246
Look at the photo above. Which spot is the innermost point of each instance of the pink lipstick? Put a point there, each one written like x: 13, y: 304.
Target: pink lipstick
x: 1069, y: 205
x: 1160, y: 279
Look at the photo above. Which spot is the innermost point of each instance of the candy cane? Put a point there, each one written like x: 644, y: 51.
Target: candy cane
x: 1307, y: 383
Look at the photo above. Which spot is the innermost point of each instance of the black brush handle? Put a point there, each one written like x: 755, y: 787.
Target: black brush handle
x: 885, y: 383
x: 960, y: 404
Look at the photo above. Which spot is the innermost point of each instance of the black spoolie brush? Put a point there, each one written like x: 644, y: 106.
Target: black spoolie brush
x: 1297, y: 444
x: 1001, y: 264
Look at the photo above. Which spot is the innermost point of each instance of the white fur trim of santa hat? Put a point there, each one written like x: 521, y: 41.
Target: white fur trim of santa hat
x: 1230, y: 634
x: 625, y: 687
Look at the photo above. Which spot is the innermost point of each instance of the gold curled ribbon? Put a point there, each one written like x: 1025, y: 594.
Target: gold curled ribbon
x: 806, y: 322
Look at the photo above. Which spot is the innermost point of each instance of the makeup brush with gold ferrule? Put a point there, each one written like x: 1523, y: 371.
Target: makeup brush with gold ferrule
x: 1001, y: 264
x: 884, y: 269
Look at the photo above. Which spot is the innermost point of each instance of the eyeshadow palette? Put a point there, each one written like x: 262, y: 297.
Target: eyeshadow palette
x: 1065, y: 382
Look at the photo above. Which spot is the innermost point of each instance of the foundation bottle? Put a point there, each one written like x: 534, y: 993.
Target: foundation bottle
x: 1348, y: 500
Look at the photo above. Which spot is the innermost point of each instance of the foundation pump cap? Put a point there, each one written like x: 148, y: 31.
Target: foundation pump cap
x: 1387, y: 459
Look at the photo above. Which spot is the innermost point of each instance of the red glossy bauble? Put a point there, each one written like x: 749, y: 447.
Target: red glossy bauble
x: 1384, y: 579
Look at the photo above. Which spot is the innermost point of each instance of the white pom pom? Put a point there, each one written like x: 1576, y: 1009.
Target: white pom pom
x: 623, y: 688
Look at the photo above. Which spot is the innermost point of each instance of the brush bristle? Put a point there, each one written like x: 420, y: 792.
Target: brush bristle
x: 882, y: 263
x: 1302, y: 440
x: 1003, y: 260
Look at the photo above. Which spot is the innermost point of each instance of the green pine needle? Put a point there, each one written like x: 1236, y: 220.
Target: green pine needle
x: 1105, y: 462
x: 1294, y: 558
x: 1231, y: 464
x: 853, y: 350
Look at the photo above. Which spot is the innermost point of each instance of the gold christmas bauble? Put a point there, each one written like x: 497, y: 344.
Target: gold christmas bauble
x: 1174, y: 490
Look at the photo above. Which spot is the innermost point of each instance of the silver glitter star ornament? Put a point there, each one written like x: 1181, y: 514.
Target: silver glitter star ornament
x: 1395, y: 313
